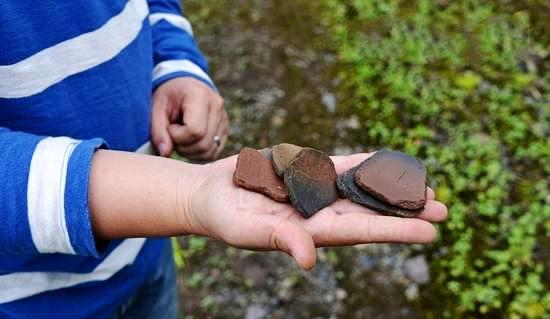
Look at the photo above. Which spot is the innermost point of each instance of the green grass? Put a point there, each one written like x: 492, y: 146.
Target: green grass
x: 464, y: 86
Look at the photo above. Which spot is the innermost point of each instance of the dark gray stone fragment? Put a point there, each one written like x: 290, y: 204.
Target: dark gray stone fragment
x: 311, y: 182
x: 350, y: 190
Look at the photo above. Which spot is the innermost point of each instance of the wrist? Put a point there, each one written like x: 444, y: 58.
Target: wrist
x: 189, y: 180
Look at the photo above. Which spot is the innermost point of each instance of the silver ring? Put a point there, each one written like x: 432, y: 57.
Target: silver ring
x: 217, y: 140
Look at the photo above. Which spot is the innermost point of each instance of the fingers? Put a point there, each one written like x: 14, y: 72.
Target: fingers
x: 331, y: 229
x: 433, y: 211
x: 228, y: 163
x: 160, y: 120
x: 221, y: 147
x: 270, y: 232
x: 343, y: 163
x: 196, y: 108
x: 204, y: 146
x: 296, y: 241
x: 207, y: 147
x: 217, y: 148
x: 430, y: 193
x: 224, y: 133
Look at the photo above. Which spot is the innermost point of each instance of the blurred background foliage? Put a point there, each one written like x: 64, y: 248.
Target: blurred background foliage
x: 463, y: 85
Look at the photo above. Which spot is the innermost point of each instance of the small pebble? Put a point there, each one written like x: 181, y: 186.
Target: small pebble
x: 417, y: 269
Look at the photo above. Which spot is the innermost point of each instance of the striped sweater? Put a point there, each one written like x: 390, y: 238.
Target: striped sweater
x: 76, y: 76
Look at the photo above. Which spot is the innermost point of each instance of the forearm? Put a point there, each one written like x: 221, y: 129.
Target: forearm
x: 133, y: 195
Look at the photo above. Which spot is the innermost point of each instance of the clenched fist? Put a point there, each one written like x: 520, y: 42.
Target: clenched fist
x: 188, y: 117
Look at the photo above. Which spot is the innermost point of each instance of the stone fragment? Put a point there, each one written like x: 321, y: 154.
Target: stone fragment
x: 349, y: 189
x: 255, y: 172
x: 256, y: 311
x: 282, y: 155
x: 395, y: 178
x: 311, y: 181
x: 417, y: 269
x: 266, y: 152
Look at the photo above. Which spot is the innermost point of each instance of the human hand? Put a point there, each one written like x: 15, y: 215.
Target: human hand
x: 219, y: 209
x: 186, y: 116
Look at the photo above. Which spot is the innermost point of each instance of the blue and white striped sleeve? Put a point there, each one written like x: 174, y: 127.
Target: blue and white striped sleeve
x: 175, y: 52
x: 44, y: 194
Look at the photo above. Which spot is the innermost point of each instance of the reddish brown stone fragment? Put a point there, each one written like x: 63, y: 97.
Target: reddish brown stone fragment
x: 395, y: 178
x: 255, y: 172
x: 311, y: 182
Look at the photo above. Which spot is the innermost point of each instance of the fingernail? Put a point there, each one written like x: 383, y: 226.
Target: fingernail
x: 163, y: 149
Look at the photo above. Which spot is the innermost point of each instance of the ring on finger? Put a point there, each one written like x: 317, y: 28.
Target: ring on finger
x: 217, y: 140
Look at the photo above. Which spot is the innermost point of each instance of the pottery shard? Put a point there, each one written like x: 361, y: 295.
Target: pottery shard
x: 349, y: 189
x: 266, y: 152
x: 311, y: 181
x: 282, y: 155
x: 395, y: 178
x: 255, y: 172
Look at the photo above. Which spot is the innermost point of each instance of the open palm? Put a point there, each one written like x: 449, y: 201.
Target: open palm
x: 251, y: 220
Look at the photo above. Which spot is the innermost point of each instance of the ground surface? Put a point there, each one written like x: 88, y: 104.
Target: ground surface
x: 463, y: 85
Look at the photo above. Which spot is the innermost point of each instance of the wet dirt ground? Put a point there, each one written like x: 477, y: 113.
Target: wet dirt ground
x: 276, y: 71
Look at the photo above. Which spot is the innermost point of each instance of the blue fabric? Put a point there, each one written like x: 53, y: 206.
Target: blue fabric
x: 15, y: 234
x: 93, y: 300
x: 179, y: 74
x: 111, y: 101
x: 157, y: 298
x: 108, y: 104
x: 55, y: 21
x: 79, y: 225
x: 171, y: 43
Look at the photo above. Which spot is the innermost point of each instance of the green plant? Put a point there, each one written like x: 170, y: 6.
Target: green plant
x: 193, y: 245
x: 449, y: 81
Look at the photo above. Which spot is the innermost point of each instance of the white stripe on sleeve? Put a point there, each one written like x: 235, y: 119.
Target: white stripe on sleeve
x: 25, y: 284
x: 174, y: 19
x: 50, y: 66
x: 46, y: 195
x: 171, y: 66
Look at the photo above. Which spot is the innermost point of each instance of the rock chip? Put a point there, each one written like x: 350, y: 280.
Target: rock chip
x: 282, y: 155
x: 417, y: 269
x: 255, y: 172
x: 256, y: 311
x: 395, y: 178
x: 266, y: 152
x: 311, y: 181
x: 349, y: 189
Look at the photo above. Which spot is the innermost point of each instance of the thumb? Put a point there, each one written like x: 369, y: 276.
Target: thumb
x: 159, y: 126
x: 296, y: 241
